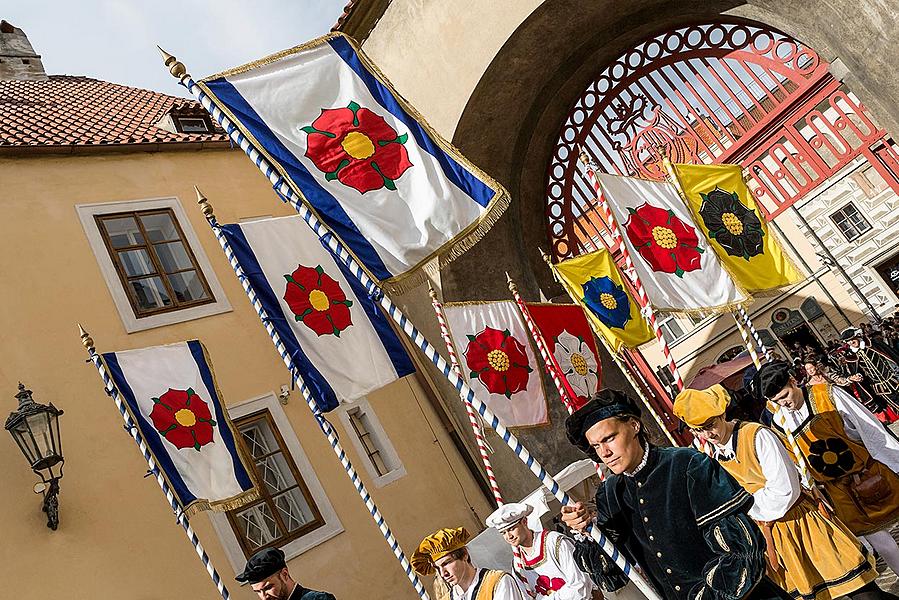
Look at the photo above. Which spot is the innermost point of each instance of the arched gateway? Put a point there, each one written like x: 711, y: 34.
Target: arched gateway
x: 723, y: 92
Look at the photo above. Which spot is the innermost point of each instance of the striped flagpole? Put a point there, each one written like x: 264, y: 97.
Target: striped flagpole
x: 558, y: 377
x: 755, y: 334
x: 307, y: 396
x: 645, y: 305
x: 113, y: 392
x: 339, y: 251
x: 473, y: 418
x: 472, y: 415
x: 744, y: 323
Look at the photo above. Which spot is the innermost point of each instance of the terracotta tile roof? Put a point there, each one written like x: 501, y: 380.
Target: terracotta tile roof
x: 69, y: 112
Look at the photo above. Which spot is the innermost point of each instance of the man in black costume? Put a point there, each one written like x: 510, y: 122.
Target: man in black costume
x: 673, y: 511
x: 267, y: 574
x: 872, y: 366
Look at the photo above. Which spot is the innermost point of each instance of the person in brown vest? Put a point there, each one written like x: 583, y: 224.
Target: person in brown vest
x: 811, y: 554
x: 849, y: 453
x: 444, y: 553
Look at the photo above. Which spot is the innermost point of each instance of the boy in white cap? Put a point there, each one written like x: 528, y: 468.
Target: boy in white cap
x: 548, y: 567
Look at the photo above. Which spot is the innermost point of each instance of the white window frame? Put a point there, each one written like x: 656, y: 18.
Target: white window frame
x: 86, y: 214
x: 332, y: 526
x: 385, y: 447
x: 665, y: 323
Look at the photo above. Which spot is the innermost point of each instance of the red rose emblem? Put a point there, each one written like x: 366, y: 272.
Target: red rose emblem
x: 316, y: 299
x: 499, y: 361
x: 547, y: 587
x: 664, y: 241
x: 183, y: 418
x: 357, y: 147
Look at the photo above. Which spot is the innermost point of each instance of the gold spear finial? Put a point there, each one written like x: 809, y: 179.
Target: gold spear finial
x: 431, y: 292
x: 86, y: 339
x: 176, y: 67
x: 204, y: 205
x: 585, y: 158
x: 513, y: 287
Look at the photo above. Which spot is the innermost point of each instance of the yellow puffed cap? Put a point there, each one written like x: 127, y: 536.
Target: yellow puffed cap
x: 436, y: 546
x: 697, y: 407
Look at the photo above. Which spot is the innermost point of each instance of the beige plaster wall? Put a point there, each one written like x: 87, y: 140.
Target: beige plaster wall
x: 436, y: 52
x: 117, y: 536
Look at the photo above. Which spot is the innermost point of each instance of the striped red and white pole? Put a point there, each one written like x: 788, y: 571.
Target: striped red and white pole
x: 631, y: 273
x: 473, y: 418
x: 153, y: 469
x: 552, y: 367
x: 337, y: 249
x: 559, y: 379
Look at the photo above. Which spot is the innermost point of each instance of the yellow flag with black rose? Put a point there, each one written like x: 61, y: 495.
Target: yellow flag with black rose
x: 594, y: 282
x: 728, y: 215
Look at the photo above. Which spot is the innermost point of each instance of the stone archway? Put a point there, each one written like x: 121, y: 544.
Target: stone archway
x: 516, y: 110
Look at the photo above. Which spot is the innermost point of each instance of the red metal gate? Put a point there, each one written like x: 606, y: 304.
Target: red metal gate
x: 711, y: 93
x: 727, y: 92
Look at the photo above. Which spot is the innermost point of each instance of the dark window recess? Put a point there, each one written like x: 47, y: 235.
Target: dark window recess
x: 850, y: 222
x: 155, y: 265
x: 193, y: 125
x: 285, y: 510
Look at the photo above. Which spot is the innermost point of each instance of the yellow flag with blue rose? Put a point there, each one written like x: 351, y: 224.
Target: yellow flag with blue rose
x: 738, y: 233
x: 594, y: 281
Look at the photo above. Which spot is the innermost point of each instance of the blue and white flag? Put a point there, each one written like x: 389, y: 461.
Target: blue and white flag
x: 171, y: 394
x: 340, y: 341
x: 395, y: 192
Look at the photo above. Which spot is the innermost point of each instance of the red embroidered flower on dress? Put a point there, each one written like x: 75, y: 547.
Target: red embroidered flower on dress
x: 316, y: 299
x: 183, y: 418
x: 357, y: 147
x: 547, y: 587
x: 499, y: 361
x: 664, y: 241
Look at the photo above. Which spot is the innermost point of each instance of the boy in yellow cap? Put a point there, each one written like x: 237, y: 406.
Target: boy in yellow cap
x: 444, y: 552
x: 810, y: 554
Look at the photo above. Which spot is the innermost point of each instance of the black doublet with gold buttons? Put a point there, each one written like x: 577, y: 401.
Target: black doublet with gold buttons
x: 683, y: 519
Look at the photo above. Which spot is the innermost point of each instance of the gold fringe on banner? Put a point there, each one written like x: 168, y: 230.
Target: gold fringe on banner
x: 448, y: 252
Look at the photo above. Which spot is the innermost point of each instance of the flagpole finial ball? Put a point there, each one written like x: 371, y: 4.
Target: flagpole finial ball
x: 176, y: 67
x: 585, y: 158
x: 432, y: 292
x: 86, y: 339
x: 204, y: 204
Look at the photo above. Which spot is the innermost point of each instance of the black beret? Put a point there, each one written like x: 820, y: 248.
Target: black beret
x: 771, y: 379
x: 603, y: 405
x: 264, y: 563
x: 850, y: 333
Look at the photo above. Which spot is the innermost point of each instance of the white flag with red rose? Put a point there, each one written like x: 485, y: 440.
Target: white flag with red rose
x: 396, y: 193
x: 498, y: 360
x: 339, y: 340
x: 171, y: 394
x: 672, y: 257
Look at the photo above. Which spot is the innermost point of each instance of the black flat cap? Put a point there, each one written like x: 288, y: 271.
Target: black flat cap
x: 603, y: 405
x: 264, y: 563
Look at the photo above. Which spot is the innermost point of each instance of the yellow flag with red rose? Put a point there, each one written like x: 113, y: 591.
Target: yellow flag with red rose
x: 726, y: 213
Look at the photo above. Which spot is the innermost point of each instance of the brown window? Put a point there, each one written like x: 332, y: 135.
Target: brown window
x: 154, y: 262
x: 286, y: 509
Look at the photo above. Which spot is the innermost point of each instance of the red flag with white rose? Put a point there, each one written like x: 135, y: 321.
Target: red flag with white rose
x: 498, y: 359
x: 572, y: 345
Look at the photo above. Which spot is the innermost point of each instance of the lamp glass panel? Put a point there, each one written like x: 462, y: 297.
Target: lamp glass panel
x: 40, y: 429
x: 26, y: 443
